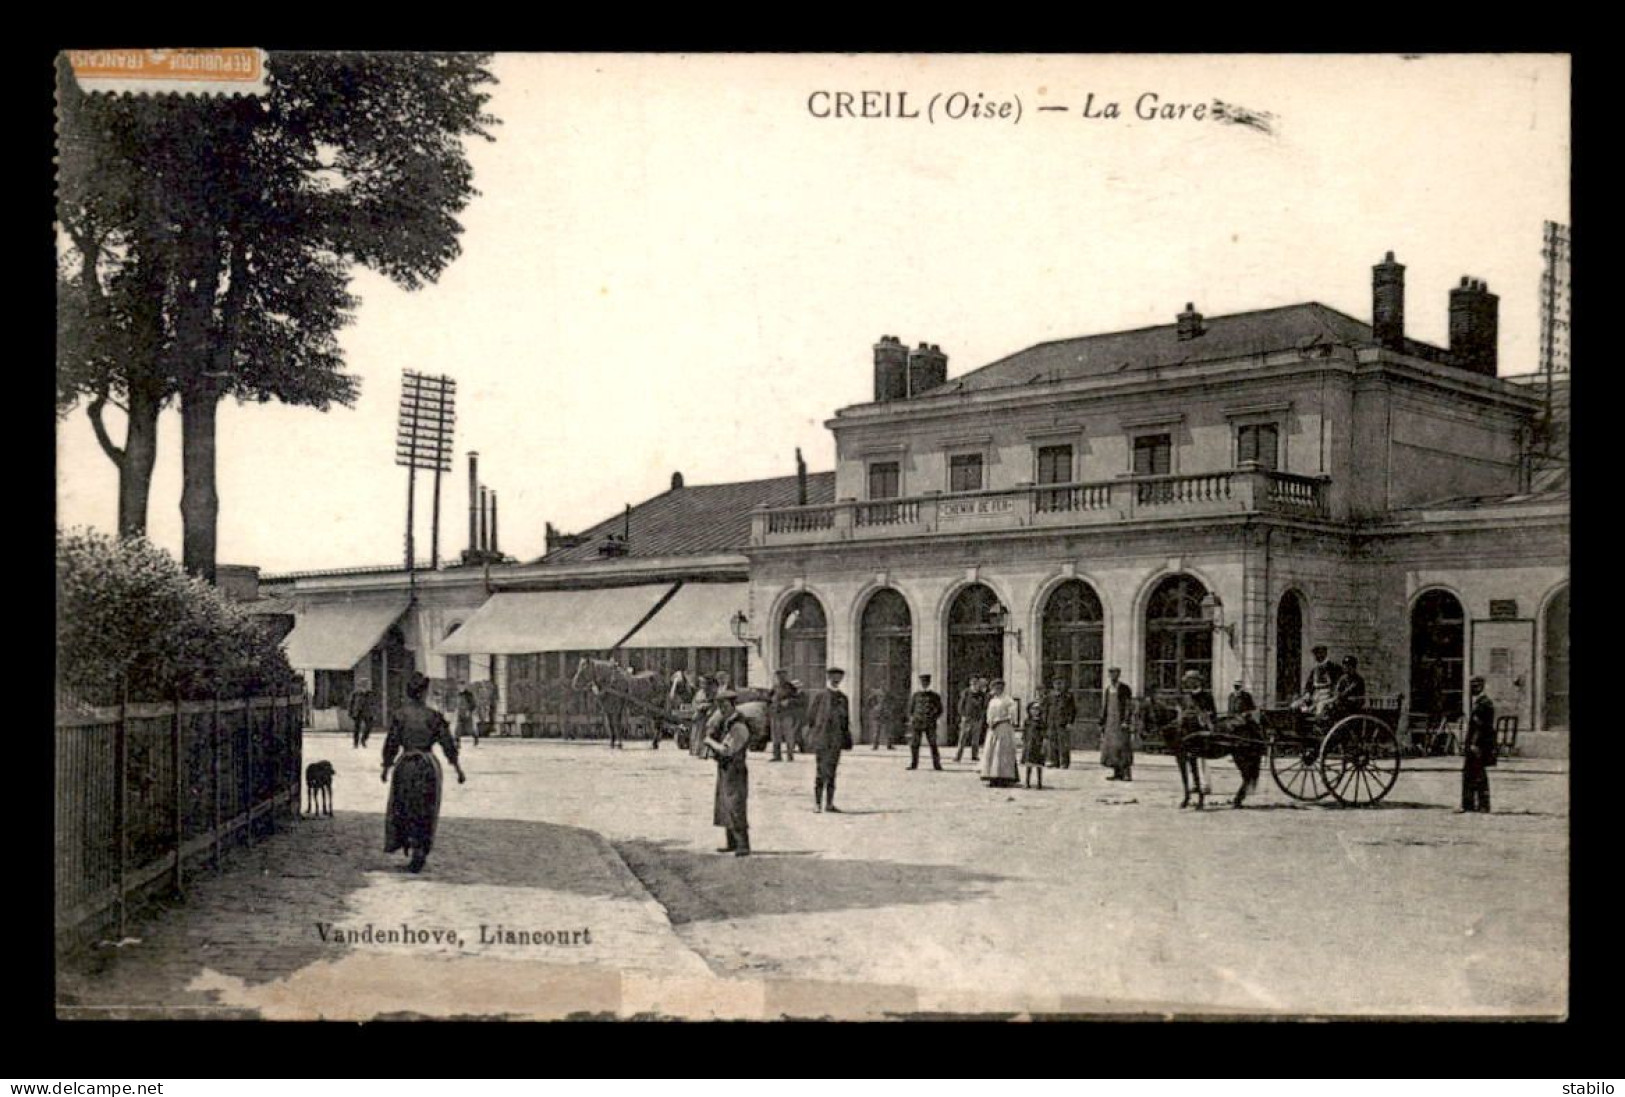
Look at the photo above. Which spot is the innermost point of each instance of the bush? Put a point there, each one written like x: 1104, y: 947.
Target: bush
x: 127, y: 608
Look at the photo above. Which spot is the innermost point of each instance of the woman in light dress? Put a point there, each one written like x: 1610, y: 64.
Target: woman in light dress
x: 999, y: 753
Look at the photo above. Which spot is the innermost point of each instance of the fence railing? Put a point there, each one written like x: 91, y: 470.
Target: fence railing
x: 145, y: 791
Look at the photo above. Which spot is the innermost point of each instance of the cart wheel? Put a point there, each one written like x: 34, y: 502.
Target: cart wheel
x: 1359, y: 761
x: 1296, y: 768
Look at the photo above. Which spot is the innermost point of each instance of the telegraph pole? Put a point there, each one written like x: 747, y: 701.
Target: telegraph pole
x: 423, y: 441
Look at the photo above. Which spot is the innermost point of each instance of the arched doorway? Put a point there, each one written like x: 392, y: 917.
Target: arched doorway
x: 1554, y: 713
x: 975, y: 642
x: 1438, y: 646
x: 1073, y: 649
x: 1177, y: 637
x: 1289, y: 646
x: 886, y: 637
x: 804, y: 641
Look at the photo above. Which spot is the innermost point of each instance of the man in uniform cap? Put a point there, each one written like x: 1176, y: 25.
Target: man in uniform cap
x: 924, y: 710
x: 829, y: 731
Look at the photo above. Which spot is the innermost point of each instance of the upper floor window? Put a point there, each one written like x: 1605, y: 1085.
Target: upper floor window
x: 1153, y: 455
x: 965, y: 472
x: 1259, y: 442
x: 1054, y: 464
x: 885, y: 480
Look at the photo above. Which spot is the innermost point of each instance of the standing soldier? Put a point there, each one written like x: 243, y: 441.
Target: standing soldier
x: 829, y: 731
x: 729, y: 746
x: 972, y: 718
x: 1478, y: 753
x: 1116, y: 735
x: 1059, y: 711
x: 785, y: 710
x: 924, y: 710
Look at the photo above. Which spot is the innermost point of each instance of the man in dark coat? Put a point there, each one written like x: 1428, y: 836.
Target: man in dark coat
x: 924, y: 710
x: 787, y: 708
x: 1060, y: 709
x: 829, y: 731
x: 363, y: 715
x: 972, y: 719
x: 1241, y: 703
x: 729, y: 746
x: 1479, y: 750
x: 1349, y: 694
x: 1116, y: 732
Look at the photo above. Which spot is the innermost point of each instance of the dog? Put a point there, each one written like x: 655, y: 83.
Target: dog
x: 319, y: 788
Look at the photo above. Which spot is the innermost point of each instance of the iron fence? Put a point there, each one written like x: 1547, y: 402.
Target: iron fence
x: 146, y: 792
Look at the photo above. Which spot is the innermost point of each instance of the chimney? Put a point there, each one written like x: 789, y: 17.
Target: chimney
x: 494, y: 550
x: 927, y: 369
x: 473, y: 502
x: 801, y: 479
x: 1474, y: 327
x: 1190, y: 323
x: 677, y: 481
x: 626, y: 527
x: 891, y: 369
x: 484, y: 541
x: 552, y: 537
x: 1388, y: 304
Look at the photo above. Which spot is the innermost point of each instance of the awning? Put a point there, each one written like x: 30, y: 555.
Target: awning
x: 523, y: 623
x: 337, y: 637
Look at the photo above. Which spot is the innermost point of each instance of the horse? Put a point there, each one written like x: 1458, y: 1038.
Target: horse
x: 1237, y: 736
x: 617, y: 689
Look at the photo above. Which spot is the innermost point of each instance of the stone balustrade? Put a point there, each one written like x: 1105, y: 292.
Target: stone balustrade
x: 1250, y: 489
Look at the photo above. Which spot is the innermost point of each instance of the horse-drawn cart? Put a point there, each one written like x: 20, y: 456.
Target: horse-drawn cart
x: 1353, y: 758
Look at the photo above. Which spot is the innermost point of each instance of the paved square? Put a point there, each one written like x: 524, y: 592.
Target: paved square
x: 930, y: 893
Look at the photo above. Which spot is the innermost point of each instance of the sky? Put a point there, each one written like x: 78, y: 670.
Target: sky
x: 675, y: 265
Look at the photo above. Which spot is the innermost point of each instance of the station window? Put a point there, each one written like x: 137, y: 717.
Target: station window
x: 1259, y: 442
x: 965, y: 472
x: 885, y: 480
x: 1153, y: 455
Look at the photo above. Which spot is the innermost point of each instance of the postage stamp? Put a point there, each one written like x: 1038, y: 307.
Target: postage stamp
x: 196, y: 71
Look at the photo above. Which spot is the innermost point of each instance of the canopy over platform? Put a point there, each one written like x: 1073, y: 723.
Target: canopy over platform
x: 528, y: 622
x: 337, y: 637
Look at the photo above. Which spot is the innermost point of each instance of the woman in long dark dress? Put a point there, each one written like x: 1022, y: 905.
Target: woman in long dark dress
x: 414, y: 795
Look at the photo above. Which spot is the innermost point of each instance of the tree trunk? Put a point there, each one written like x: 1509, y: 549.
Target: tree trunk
x: 200, y: 503
x: 135, y: 471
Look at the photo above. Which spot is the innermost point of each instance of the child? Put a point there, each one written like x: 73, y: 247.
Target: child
x: 1032, y: 746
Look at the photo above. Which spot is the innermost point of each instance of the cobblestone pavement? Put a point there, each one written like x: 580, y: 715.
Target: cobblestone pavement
x: 930, y: 893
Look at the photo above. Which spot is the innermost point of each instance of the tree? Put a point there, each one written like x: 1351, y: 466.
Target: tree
x: 131, y: 623
x: 247, y: 217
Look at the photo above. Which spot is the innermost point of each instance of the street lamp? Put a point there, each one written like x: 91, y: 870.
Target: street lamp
x: 1213, y: 614
x: 740, y: 623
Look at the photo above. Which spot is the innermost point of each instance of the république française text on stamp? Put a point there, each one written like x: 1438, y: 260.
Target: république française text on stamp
x: 183, y: 71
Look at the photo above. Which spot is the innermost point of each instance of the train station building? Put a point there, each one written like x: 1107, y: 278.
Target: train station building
x: 1216, y: 494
